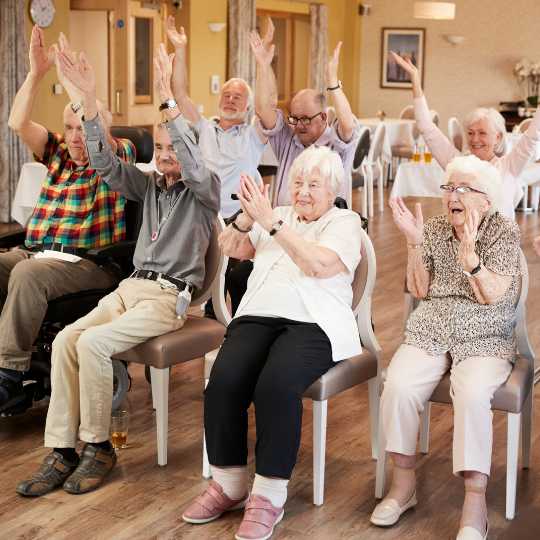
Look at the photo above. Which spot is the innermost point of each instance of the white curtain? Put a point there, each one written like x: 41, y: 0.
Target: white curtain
x: 318, y: 46
x: 241, y: 22
x: 13, y: 70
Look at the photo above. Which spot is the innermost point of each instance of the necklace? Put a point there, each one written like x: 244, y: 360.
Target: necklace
x: 161, y: 221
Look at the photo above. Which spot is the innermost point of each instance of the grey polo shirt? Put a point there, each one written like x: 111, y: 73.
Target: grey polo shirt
x: 177, y: 222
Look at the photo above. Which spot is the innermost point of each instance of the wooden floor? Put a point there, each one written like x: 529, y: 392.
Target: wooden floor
x: 144, y: 501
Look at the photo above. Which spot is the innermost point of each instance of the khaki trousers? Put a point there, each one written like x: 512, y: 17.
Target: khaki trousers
x: 82, y: 374
x: 26, y: 286
x: 412, y: 376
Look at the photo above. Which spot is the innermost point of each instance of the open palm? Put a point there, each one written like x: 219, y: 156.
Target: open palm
x: 78, y: 72
x: 41, y: 57
x: 412, y: 226
x: 177, y: 37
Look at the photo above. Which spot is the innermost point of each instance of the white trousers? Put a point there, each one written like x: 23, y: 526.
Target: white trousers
x: 82, y: 374
x: 412, y: 376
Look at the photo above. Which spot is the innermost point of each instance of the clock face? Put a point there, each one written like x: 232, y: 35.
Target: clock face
x: 42, y: 12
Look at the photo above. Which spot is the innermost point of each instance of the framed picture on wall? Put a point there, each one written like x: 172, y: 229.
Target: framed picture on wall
x: 409, y: 42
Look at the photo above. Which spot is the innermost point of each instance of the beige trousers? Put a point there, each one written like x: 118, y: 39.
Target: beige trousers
x: 82, y: 375
x: 412, y: 376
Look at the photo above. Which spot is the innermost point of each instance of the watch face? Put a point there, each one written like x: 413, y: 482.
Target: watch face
x: 42, y: 12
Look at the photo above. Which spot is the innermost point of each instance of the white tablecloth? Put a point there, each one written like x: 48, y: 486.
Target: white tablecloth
x: 398, y: 131
x: 418, y: 180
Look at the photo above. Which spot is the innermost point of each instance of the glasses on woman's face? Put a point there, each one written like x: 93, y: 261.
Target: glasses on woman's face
x: 304, y: 120
x: 461, y: 190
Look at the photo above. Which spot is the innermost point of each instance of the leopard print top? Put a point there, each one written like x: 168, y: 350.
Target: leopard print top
x: 450, y: 319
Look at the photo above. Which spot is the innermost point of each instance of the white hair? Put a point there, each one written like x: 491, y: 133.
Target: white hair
x: 495, y: 120
x: 486, y: 178
x: 250, y: 99
x: 323, y: 160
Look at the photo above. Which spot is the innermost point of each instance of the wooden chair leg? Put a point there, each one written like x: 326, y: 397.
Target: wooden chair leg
x: 206, y: 471
x: 526, y: 430
x: 320, y: 410
x: 512, y: 456
x: 424, y: 429
x: 374, y: 401
x: 160, y: 396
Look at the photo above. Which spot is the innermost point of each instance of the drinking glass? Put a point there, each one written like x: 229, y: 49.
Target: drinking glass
x: 119, y: 428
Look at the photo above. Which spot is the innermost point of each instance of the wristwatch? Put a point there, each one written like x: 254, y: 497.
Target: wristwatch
x: 276, y: 227
x: 168, y: 104
x: 76, y: 107
x: 474, y: 271
x: 330, y: 88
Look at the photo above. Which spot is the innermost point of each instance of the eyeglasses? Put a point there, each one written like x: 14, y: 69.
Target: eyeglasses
x: 449, y: 188
x: 304, y: 120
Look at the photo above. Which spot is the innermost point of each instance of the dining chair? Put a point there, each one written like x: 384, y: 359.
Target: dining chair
x: 346, y: 374
x: 514, y: 397
x: 522, y: 126
x: 372, y: 168
x: 198, y: 336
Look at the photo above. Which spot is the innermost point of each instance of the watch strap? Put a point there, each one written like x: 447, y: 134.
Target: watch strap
x: 330, y: 88
x: 276, y: 227
x: 474, y: 271
x: 168, y: 104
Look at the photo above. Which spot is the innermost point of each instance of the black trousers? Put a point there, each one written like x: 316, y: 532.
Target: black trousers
x: 270, y: 362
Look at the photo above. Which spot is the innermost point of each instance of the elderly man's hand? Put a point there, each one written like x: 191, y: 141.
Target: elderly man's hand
x: 78, y: 72
x: 263, y: 49
x: 411, y: 226
x: 41, y: 58
x: 332, y: 67
x: 406, y: 63
x: 64, y: 47
x: 467, y: 256
x: 177, y: 37
x: 255, y: 202
x: 163, y: 73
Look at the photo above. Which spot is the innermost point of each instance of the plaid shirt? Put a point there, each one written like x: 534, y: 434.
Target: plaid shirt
x: 75, y: 206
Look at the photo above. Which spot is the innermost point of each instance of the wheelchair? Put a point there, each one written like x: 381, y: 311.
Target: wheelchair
x: 116, y: 258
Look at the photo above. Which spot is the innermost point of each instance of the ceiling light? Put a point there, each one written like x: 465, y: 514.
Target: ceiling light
x: 435, y: 10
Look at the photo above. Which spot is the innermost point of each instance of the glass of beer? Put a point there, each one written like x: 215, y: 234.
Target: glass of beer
x: 416, y: 154
x: 119, y: 428
x: 427, y: 156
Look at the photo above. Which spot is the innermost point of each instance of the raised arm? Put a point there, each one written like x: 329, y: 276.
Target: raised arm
x: 122, y: 177
x: 412, y: 227
x: 344, y: 114
x: 524, y: 151
x: 179, y: 41
x: 442, y: 149
x: 265, y: 86
x: 41, y: 59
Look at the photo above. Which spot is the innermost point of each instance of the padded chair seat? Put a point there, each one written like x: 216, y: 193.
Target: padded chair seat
x: 193, y: 340
x: 402, y: 151
x: 343, y: 375
x: 510, y: 397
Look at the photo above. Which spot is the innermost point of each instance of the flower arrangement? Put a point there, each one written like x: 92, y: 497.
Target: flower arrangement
x: 528, y: 76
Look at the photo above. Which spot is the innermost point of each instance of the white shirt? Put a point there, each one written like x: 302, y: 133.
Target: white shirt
x: 229, y: 153
x: 325, y: 301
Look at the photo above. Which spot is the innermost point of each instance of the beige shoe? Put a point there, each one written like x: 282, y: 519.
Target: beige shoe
x: 470, y: 533
x: 388, y: 511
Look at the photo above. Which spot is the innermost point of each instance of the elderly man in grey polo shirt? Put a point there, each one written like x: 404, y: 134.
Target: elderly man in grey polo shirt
x: 230, y: 146
x: 306, y: 123
x: 180, y: 208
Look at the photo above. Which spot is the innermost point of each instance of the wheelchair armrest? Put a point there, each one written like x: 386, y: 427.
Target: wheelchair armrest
x: 113, y: 251
x: 12, y: 239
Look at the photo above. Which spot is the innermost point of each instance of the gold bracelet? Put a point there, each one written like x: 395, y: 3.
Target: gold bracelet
x: 414, y: 246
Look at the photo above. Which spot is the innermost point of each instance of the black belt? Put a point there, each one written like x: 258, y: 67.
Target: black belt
x: 57, y: 246
x: 150, y: 274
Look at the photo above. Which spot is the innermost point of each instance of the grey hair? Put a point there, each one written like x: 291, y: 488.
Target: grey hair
x: 321, y: 159
x: 486, y: 178
x: 495, y: 120
x: 250, y: 100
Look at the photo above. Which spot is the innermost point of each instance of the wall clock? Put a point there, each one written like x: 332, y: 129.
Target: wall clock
x: 42, y: 12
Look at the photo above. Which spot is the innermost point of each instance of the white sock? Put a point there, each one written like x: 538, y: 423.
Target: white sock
x: 233, y: 480
x: 274, y: 489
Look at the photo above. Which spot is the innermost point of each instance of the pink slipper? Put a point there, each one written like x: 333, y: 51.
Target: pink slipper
x: 260, y: 518
x: 211, y: 504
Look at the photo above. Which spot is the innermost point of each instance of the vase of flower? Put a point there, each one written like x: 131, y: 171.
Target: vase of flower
x: 528, y: 76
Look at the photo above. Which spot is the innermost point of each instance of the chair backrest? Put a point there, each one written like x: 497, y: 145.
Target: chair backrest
x: 522, y: 126
x: 407, y: 112
x: 455, y: 133
x: 215, y: 264
x: 376, y: 147
x: 434, y: 116
x: 362, y: 148
x: 141, y: 139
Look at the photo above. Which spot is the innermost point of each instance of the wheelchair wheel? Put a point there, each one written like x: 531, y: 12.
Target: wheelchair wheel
x: 121, y: 383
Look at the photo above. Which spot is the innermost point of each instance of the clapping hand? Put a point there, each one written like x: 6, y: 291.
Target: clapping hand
x: 411, y: 226
x: 64, y: 47
x: 78, y: 71
x: 163, y: 73
x: 41, y: 58
x: 263, y: 49
x: 332, y: 67
x: 255, y: 201
x: 467, y: 256
x: 177, y: 37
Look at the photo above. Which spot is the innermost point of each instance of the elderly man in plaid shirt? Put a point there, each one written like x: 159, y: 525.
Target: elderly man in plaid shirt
x: 76, y: 211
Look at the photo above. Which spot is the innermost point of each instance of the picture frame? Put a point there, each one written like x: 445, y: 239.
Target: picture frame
x: 405, y: 41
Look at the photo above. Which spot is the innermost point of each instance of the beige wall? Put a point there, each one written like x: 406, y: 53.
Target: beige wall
x: 497, y: 34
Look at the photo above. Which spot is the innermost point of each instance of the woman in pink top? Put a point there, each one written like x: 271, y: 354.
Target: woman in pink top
x: 485, y: 130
